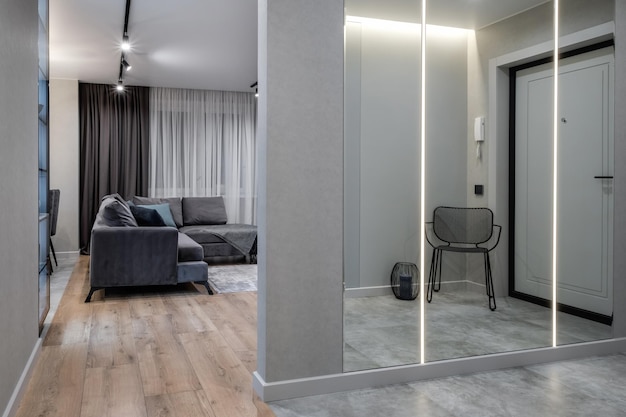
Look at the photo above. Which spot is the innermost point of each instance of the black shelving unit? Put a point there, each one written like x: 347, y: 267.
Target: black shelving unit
x: 43, y: 165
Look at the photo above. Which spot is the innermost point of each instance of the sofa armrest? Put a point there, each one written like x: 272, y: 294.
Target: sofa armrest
x: 125, y: 256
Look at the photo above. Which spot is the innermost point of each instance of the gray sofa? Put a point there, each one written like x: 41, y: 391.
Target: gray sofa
x: 204, y: 220
x: 133, y: 246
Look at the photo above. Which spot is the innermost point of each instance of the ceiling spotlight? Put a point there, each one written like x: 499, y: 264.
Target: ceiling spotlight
x: 120, y: 86
x: 125, y: 42
x: 255, y: 85
x: 126, y: 65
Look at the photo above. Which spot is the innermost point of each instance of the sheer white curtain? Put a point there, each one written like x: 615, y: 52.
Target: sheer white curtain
x: 203, y: 143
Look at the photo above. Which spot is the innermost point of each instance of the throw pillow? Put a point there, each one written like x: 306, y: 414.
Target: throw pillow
x: 163, y: 210
x: 204, y: 210
x: 116, y: 213
x: 174, y: 202
x: 146, y: 216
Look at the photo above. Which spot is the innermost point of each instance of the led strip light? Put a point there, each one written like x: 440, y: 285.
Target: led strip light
x: 422, y: 176
x: 555, y: 140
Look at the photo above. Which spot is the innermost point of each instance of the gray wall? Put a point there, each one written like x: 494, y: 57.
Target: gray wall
x: 518, y: 32
x: 383, y: 150
x: 18, y: 188
x: 64, y: 161
x: 300, y: 140
x: 382, y: 161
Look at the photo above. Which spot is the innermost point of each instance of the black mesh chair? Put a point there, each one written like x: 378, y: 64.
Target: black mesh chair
x: 458, y: 229
x: 53, y: 200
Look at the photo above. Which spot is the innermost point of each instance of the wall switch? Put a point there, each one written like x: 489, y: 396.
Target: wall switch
x: 478, y: 189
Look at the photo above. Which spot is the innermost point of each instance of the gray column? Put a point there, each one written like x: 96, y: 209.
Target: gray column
x: 300, y: 188
x: 18, y: 191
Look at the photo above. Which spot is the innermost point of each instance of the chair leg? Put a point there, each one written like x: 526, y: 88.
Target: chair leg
x: 432, y: 276
x: 489, y: 283
x: 440, y: 262
x: 53, y: 253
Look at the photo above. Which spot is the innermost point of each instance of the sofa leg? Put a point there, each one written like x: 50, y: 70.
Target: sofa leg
x: 206, y: 284
x: 91, y: 291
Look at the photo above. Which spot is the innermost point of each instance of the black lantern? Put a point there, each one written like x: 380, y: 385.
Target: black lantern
x: 405, y: 281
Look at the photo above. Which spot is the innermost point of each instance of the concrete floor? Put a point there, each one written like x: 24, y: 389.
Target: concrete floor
x: 384, y: 331
x: 587, y: 387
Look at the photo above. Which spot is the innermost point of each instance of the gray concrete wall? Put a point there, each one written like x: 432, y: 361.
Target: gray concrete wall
x: 301, y: 188
x: 65, y: 160
x: 18, y: 188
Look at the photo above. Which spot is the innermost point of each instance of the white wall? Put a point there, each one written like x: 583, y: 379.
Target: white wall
x: 18, y: 188
x: 300, y: 211
x: 65, y: 161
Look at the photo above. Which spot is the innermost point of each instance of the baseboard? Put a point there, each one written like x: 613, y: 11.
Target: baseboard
x: 382, y: 290
x: 368, y: 291
x: 327, y: 384
x: 68, y: 254
x: 20, y: 388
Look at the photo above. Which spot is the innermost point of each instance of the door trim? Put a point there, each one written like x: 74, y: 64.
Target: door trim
x: 590, y: 315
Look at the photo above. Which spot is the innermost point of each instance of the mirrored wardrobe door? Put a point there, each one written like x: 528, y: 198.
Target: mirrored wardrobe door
x: 382, y: 183
x: 585, y: 176
x: 488, y: 212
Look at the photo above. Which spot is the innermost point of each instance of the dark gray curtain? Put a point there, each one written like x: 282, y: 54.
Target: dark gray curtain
x: 114, y: 147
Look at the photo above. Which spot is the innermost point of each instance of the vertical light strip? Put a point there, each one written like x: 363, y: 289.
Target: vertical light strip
x: 422, y: 175
x: 555, y: 140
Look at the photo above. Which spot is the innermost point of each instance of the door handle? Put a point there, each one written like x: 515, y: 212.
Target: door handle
x: 604, y: 177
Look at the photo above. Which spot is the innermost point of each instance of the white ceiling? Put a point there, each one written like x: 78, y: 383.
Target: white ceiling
x: 207, y: 44
x: 202, y: 44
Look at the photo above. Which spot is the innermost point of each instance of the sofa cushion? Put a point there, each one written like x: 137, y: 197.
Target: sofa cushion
x: 115, y: 213
x: 176, y: 207
x: 163, y: 210
x: 188, y: 249
x: 203, y: 211
x: 201, y: 234
x: 146, y: 216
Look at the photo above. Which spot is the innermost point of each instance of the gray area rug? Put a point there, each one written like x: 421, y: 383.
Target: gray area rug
x: 233, y: 278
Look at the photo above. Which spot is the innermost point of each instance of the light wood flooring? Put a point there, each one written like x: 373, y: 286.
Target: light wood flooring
x: 174, y: 352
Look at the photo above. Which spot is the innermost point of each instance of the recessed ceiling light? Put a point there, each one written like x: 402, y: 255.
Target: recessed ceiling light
x: 125, y: 43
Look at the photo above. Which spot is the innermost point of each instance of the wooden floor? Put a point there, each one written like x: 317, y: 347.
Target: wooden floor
x: 173, y: 352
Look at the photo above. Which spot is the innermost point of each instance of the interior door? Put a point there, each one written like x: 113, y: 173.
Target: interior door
x: 584, y: 187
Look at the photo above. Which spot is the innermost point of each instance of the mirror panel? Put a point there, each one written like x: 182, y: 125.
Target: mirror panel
x: 462, y: 319
x: 514, y: 167
x: 381, y: 175
x: 585, y: 170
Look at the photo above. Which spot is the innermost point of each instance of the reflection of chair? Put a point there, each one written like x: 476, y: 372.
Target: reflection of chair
x: 466, y: 230
x: 54, y: 197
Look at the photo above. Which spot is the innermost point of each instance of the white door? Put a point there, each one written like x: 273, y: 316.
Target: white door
x: 585, y: 201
